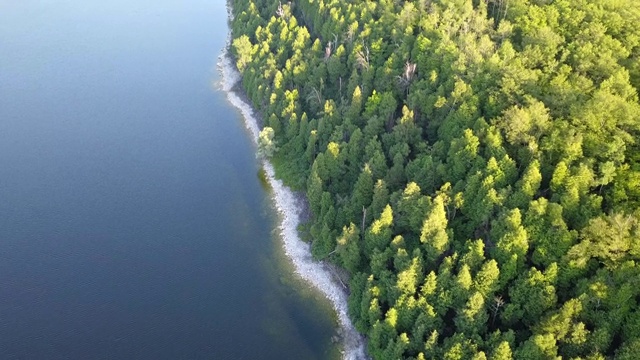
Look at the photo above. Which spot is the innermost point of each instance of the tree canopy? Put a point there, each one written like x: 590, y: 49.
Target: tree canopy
x: 473, y: 165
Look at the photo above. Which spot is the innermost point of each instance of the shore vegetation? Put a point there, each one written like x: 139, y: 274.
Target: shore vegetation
x: 474, y: 166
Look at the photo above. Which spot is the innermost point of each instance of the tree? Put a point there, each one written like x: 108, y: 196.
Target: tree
x: 538, y: 347
x: 434, y: 235
x: 378, y: 235
x: 549, y: 235
x: 411, y: 210
x: 349, y: 248
x: 613, y: 238
x: 266, y: 144
x: 474, y: 254
x: 472, y: 165
x: 380, y: 198
x: 527, y: 186
x: 531, y: 296
x: 526, y: 125
x: 479, y: 201
x: 473, y: 317
x: 511, y: 244
x: 362, y: 193
x: 629, y: 350
x: 502, y: 352
x: 422, y: 171
x: 487, y: 280
x: 244, y: 52
x: 410, y: 278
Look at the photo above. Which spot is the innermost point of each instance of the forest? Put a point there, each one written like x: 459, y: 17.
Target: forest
x: 472, y: 165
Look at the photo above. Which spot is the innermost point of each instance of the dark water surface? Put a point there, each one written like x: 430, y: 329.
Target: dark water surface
x: 132, y: 221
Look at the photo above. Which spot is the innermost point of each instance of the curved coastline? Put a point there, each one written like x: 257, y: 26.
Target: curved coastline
x: 315, y: 273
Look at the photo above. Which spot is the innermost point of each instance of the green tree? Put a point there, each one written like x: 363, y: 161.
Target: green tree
x: 472, y: 165
x: 531, y: 296
x: 511, y: 244
x: 244, y: 52
x: 266, y: 144
x: 349, y: 248
x: 434, y: 235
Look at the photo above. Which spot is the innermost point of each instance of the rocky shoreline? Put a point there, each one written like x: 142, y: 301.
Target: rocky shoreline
x: 292, y: 208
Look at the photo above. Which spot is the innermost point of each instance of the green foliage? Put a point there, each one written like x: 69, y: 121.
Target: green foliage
x: 244, y: 51
x: 266, y: 144
x: 473, y: 165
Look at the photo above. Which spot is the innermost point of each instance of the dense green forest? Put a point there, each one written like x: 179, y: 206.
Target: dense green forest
x: 473, y: 165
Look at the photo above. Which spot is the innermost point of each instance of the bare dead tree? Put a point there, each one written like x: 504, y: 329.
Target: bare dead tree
x: 506, y: 9
x: 364, y: 216
x: 337, y: 276
x: 280, y: 11
x: 409, y: 71
x: 499, y: 9
x: 498, y: 302
x: 331, y: 46
x: 316, y: 95
x: 407, y: 76
x: 327, y: 51
x: 362, y: 58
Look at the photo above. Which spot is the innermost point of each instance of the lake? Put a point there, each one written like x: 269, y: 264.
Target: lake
x: 133, y: 222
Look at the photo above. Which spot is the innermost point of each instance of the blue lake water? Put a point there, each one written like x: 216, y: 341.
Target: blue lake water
x: 133, y: 224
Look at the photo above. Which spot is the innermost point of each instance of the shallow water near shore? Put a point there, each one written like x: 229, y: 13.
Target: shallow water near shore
x: 317, y: 274
x: 133, y: 221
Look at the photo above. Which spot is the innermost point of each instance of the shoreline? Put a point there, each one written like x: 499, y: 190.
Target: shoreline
x: 289, y: 206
